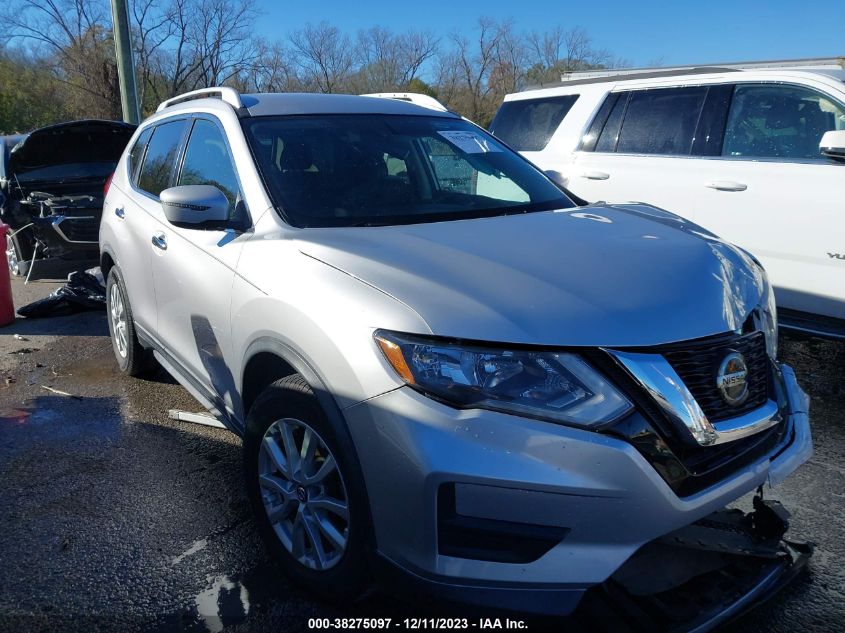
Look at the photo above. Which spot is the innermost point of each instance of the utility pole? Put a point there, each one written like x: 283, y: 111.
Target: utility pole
x: 125, y: 63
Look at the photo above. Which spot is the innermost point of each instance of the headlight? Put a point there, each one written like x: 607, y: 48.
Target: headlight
x: 555, y: 386
x: 770, y: 321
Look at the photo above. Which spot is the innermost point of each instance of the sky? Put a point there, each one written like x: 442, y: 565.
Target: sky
x: 641, y: 31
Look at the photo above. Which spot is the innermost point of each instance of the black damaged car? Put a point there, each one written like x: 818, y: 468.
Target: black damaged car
x: 51, y: 189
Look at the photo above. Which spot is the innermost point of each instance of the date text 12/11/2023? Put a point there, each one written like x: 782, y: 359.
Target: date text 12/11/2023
x: 416, y: 624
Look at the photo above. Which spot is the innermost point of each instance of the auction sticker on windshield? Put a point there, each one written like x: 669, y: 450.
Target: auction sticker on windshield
x: 469, y: 142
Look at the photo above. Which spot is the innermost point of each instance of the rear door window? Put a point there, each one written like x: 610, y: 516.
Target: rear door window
x: 528, y: 125
x: 661, y: 121
x: 160, y: 159
x: 779, y: 121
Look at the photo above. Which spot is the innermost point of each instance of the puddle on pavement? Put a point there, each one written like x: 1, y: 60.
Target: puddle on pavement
x: 93, y: 369
x: 225, y: 603
x: 228, y: 600
x: 59, y: 418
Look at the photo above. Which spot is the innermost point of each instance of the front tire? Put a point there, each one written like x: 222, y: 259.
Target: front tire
x: 19, y: 255
x: 309, y: 505
x: 131, y: 357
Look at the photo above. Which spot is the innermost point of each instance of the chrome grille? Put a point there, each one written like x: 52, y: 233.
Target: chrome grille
x: 698, y: 363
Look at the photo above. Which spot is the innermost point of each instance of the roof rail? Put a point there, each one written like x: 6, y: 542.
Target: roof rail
x: 818, y: 63
x: 412, y: 97
x: 226, y: 94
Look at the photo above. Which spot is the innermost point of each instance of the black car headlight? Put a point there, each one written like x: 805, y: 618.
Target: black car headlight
x: 556, y: 386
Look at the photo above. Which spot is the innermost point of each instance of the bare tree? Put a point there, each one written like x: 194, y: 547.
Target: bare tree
x: 510, y: 54
x: 186, y: 44
x: 153, y: 28
x: 181, y: 45
x: 325, y: 56
x: 223, y: 39
x: 390, y: 61
x: 73, y: 33
x: 472, y: 71
x: 273, y: 70
x: 558, y: 51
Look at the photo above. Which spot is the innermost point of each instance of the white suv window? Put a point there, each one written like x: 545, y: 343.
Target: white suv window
x: 779, y: 121
x: 661, y: 121
x: 527, y: 125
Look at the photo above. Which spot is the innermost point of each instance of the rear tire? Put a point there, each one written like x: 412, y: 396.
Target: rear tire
x: 132, y: 358
x: 304, y: 532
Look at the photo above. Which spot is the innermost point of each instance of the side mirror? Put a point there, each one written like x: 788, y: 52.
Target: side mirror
x: 556, y: 177
x: 195, y: 205
x: 832, y: 144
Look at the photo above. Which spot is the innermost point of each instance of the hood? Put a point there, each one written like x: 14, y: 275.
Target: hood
x: 70, y: 143
x: 624, y: 275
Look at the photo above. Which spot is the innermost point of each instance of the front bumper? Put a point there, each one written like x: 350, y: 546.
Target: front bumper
x: 601, y: 495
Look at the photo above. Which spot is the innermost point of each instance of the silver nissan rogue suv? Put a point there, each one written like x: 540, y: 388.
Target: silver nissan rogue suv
x: 449, y: 376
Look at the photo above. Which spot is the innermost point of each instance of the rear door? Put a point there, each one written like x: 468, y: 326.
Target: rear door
x: 150, y: 160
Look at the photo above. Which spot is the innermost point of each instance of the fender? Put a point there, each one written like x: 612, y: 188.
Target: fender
x: 301, y: 366
x: 324, y: 397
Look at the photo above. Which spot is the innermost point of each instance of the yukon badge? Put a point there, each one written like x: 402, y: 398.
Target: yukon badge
x: 836, y: 256
x: 731, y: 379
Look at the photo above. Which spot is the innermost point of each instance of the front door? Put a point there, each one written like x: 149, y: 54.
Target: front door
x: 194, y: 269
x: 774, y: 194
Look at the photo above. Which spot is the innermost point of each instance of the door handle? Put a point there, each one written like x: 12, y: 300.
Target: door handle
x: 595, y: 175
x: 120, y: 212
x: 726, y: 185
x: 160, y: 241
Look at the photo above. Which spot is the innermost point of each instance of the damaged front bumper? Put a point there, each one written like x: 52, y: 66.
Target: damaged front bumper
x: 595, y: 506
x: 701, y: 576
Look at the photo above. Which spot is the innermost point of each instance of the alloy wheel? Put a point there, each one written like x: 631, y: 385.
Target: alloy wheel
x: 303, y: 493
x: 117, y: 312
x: 12, y: 259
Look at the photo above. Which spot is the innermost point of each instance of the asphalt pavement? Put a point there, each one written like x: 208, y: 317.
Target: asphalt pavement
x: 115, y: 518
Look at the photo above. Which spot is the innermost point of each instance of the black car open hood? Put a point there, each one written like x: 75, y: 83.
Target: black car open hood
x: 88, y: 141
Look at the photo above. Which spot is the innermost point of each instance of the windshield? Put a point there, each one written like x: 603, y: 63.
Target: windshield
x: 357, y: 170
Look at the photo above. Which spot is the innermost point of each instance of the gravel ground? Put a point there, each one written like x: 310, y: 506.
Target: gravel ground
x: 115, y: 517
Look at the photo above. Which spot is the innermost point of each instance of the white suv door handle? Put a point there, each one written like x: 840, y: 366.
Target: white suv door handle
x: 595, y: 175
x: 160, y: 241
x: 726, y: 185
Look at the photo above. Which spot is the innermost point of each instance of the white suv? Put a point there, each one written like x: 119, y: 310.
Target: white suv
x: 751, y: 152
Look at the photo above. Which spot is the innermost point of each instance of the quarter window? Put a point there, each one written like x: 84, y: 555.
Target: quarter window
x: 207, y: 162
x: 528, y: 125
x: 160, y: 159
x: 661, y: 121
x: 777, y: 121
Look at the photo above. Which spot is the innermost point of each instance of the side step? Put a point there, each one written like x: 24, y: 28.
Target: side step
x: 196, y: 418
